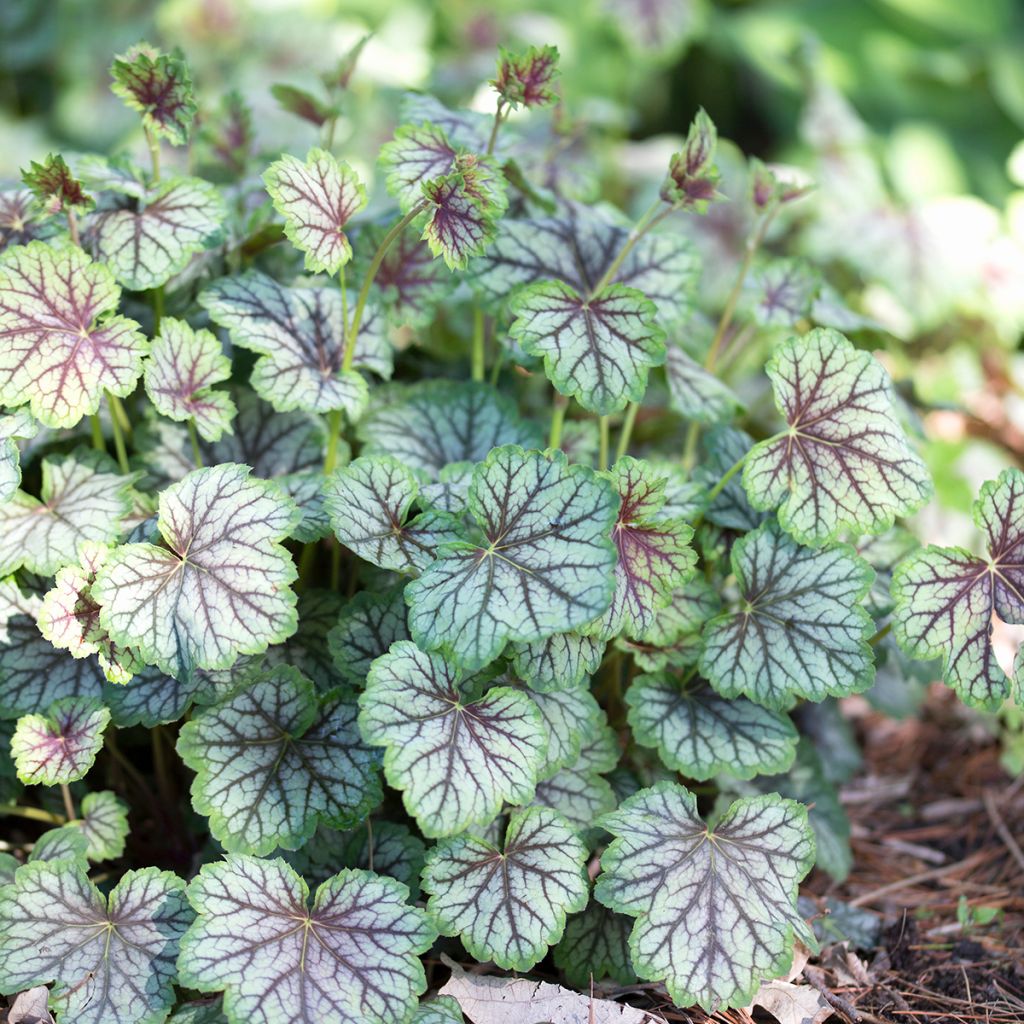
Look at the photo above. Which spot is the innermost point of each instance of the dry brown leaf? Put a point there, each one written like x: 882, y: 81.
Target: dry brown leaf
x: 30, y: 1007
x: 490, y: 1000
x: 792, y: 1004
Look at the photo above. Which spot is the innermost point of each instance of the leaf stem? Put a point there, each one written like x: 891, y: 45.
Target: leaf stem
x: 307, y: 559
x: 344, y: 302
x: 720, y: 486
x: 478, y: 344
x: 197, y: 454
x: 161, y: 767
x: 729, y: 311
x: 117, y: 411
x: 499, y: 116
x: 559, y: 407
x: 97, y: 433
x: 158, y: 308
x: 498, y: 363
x: 73, y: 227
x: 69, y: 803
x: 642, y: 226
x: 602, y: 459
x: 119, y: 446
x: 334, y: 423
x: 154, y: 153
x: 371, y: 273
x: 33, y: 813
x: 881, y: 634
x: 627, y: 430
x: 690, y: 448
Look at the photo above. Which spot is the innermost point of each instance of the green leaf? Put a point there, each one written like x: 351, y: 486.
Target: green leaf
x: 350, y: 959
x: 303, y: 104
x: 595, y: 946
x: 150, y: 698
x: 69, y: 617
x: 569, y: 716
x: 380, y: 846
x: 65, y: 843
x: 298, y: 333
x: 544, y: 565
x: 946, y: 598
x: 455, y: 757
x: 844, y: 462
x: 463, y: 209
x: 432, y: 424
x: 368, y: 503
x: 716, y: 909
x: 782, y: 293
x: 104, y: 822
x: 417, y: 154
x: 273, y: 760
x: 8, y: 866
x: 63, y: 345
x: 442, y: 1010
x: 524, y: 79
x: 722, y: 447
x: 182, y: 368
x: 561, y: 661
x: 697, y: 394
x: 306, y: 649
x: 654, y: 553
x: 56, y: 189
x: 220, y: 586
x: 112, y: 957
x: 367, y: 626
x: 701, y: 734
x: 596, y: 348
x: 80, y: 501
x: 577, y: 246
x: 146, y: 239
x: 801, y: 629
x: 509, y: 904
x: 18, y: 426
x: 206, y: 1012
x: 60, y: 746
x: 317, y: 199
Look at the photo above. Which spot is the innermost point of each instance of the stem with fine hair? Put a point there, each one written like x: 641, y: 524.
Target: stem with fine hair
x: 158, y: 308
x: 604, y: 428
x: 73, y: 227
x: 371, y: 272
x: 559, y: 406
x: 720, y: 486
x: 650, y: 217
x: 334, y: 420
x: 69, y: 803
x: 197, y: 454
x: 97, y: 433
x: 154, y: 153
x: 627, y: 430
x: 32, y: 813
x: 499, y: 115
x: 119, y: 445
x: 478, y: 344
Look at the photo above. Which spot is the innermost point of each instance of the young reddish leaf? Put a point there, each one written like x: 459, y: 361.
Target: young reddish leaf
x: 298, y: 332
x: 182, y: 368
x: 463, y: 210
x: 844, y: 462
x: 274, y: 759
x: 55, y: 187
x: 159, y: 86
x: 228, y: 135
x: 577, y: 246
x: 801, y: 629
x: 62, y: 344
x: 948, y: 599
x: 81, y: 500
x: 596, y: 348
x: 112, y: 957
x: 303, y: 104
x: 525, y: 79
x: 220, y: 586
x: 455, y: 759
x: 69, y: 617
x: 692, y: 174
x: 317, y: 199
x: 544, y: 564
x: 715, y: 908
x: 437, y: 423
x: 146, y: 239
x: 654, y: 553
x: 369, y: 501
x: 350, y: 959
x: 60, y: 746
x: 509, y: 904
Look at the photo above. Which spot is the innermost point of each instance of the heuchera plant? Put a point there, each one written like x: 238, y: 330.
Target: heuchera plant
x: 425, y: 530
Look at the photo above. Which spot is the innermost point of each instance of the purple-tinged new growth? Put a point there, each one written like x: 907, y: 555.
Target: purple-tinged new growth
x: 525, y: 79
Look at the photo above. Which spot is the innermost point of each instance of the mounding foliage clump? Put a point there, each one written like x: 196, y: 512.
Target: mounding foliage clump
x: 480, y: 581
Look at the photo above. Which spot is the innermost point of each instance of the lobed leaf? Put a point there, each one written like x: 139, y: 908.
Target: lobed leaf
x: 18, y: 426
x: 60, y: 746
x: 350, y: 958
x: 595, y: 946
x: 697, y: 394
x: 367, y: 626
x: 455, y: 757
x: 561, y: 661
x: 508, y: 904
x: 159, y: 86
x: 544, y: 566
x: 524, y: 79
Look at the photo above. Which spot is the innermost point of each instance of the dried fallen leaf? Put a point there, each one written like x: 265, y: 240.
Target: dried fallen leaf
x: 792, y: 1004
x: 30, y: 1007
x: 490, y: 1000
